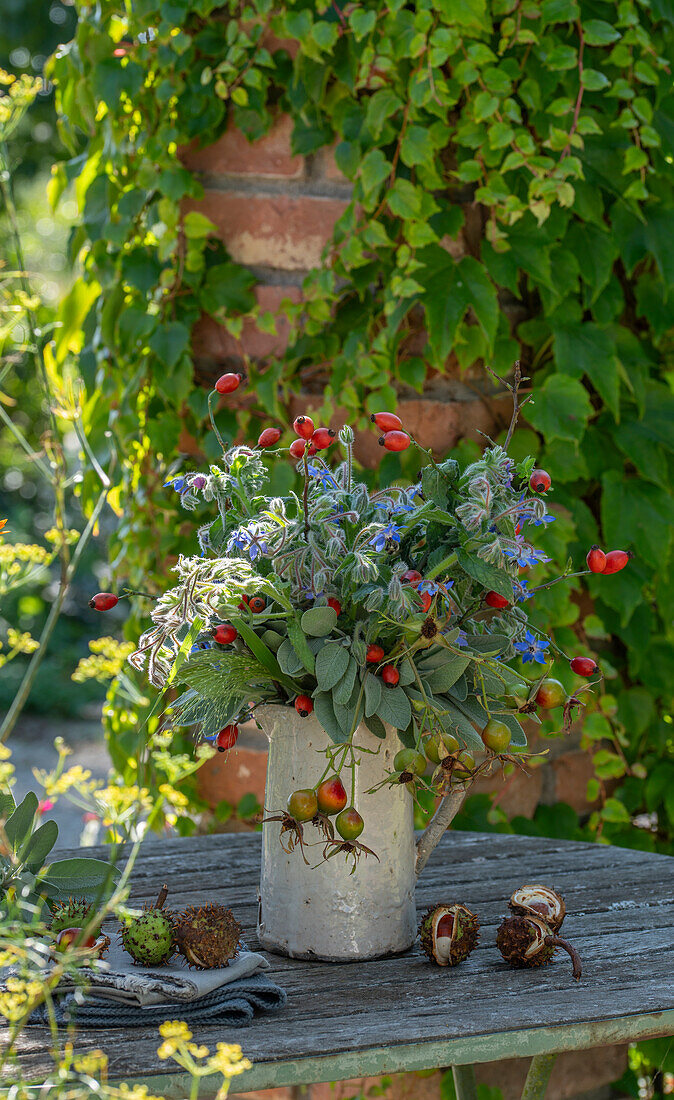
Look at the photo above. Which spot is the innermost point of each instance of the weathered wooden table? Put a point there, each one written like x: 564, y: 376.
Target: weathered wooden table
x: 357, y: 1020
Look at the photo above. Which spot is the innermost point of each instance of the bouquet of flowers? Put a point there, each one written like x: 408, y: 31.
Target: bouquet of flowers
x: 398, y: 608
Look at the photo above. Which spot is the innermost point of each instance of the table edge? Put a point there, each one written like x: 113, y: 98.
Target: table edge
x: 434, y: 1054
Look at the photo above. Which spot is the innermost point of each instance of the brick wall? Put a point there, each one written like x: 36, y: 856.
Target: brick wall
x: 275, y: 213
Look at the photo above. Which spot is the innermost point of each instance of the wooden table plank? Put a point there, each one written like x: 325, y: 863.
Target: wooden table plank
x: 353, y: 1020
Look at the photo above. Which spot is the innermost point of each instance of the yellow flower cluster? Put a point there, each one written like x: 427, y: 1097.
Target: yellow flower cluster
x: 6, y: 769
x: 228, y: 1059
x: 108, y: 657
x: 17, y: 998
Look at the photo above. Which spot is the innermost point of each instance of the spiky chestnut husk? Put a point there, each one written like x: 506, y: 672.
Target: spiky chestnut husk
x: 448, y: 933
x: 74, y: 913
x: 539, y: 901
x: 150, y: 939
x: 527, y: 941
x: 207, y: 936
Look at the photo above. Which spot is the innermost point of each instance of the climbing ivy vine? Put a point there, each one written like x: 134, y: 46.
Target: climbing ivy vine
x: 539, y: 134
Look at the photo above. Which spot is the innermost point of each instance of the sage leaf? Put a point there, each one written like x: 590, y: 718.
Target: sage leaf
x: 332, y: 662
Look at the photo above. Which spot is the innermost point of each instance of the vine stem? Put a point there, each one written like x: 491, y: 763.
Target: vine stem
x: 212, y: 420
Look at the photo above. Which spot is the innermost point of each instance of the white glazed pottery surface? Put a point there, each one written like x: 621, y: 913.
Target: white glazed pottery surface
x: 325, y: 912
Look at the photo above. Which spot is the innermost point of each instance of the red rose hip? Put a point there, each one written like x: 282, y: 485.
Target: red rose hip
x: 227, y: 383
x: 103, y: 601
x: 583, y: 666
x: 494, y: 599
x: 257, y: 604
x: 596, y: 559
x: 303, y: 426
x: 374, y: 654
x: 224, y: 634
x: 411, y: 576
x: 550, y: 694
x: 331, y: 795
x: 303, y: 804
x: 349, y: 824
x: 615, y: 561
x: 322, y: 438
x: 390, y: 675
x: 269, y: 437
x: 304, y: 706
x: 387, y: 422
x: 540, y: 481
x: 335, y: 605
x: 395, y: 441
x: 227, y: 738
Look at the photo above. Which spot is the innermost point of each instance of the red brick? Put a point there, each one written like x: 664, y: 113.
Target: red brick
x: 233, y: 155
x: 572, y: 771
x: 211, y: 341
x: 284, y: 232
x: 229, y: 775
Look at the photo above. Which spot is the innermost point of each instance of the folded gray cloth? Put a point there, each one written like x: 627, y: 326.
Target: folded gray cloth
x: 119, y: 994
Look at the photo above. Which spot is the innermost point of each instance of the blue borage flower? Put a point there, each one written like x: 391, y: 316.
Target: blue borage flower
x: 526, y: 555
x: 461, y: 638
x: 176, y: 483
x: 199, y: 646
x: 521, y: 591
x: 532, y: 649
x: 323, y: 475
x: 395, y: 509
x: 252, y: 539
x: 390, y: 533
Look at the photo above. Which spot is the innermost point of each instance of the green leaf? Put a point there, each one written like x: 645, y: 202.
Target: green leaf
x: 373, y: 690
x: 319, y: 621
x: 599, y: 33
x: 445, y: 676
x: 487, y: 644
x: 343, y: 691
x: 404, y: 199
x: 374, y: 169
x: 325, y: 713
x: 394, y: 707
x: 18, y: 826
x: 362, y: 22
x: 81, y: 877
x: 288, y: 658
x: 489, y: 576
x: 583, y: 348
x: 331, y: 663
x: 197, y: 226
x: 375, y: 726
x: 228, y: 287
x: 169, y: 342
x: 381, y: 106
x: 561, y: 408
x: 7, y: 804
x: 459, y: 724
x: 263, y: 654
x: 40, y: 845
x: 299, y: 642
x: 450, y: 288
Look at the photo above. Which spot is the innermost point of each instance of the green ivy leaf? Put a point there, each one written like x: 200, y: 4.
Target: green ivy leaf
x: 561, y: 408
x: 18, y: 826
x: 583, y: 348
x: 170, y: 342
